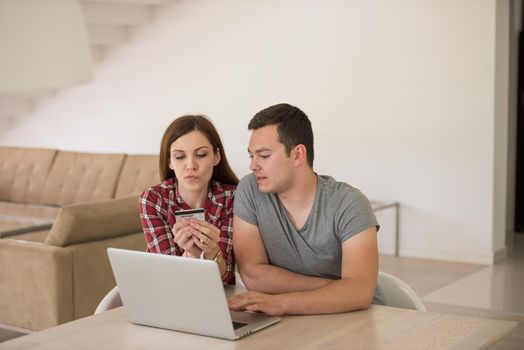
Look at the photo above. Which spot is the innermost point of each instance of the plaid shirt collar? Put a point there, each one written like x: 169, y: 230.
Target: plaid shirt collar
x: 213, y: 191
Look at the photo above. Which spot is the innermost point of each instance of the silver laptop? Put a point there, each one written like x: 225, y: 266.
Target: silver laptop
x: 180, y: 294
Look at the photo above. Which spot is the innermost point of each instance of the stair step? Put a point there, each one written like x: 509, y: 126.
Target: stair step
x: 116, y: 13
x: 104, y: 34
x: 97, y: 53
x: 109, y: 23
x: 12, y: 106
x: 136, y: 2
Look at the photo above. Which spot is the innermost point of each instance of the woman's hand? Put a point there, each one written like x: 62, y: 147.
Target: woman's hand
x: 206, y: 237
x: 184, y: 238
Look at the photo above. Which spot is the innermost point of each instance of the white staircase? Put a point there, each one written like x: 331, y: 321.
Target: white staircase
x: 109, y: 23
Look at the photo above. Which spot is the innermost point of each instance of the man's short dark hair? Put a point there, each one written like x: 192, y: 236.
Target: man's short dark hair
x: 293, y: 126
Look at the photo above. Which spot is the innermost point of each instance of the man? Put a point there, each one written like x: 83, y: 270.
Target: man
x: 304, y: 243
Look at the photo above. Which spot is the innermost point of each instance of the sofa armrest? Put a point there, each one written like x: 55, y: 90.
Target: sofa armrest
x: 35, y: 284
x: 86, y: 222
x: 92, y: 273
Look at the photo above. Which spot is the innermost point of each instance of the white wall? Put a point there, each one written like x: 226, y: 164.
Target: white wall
x: 400, y: 94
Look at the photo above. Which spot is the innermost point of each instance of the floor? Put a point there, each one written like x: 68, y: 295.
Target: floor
x: 446, y: 287
x: 484, y: 291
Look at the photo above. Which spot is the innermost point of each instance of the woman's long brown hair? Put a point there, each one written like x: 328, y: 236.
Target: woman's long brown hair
x: 222, y: 172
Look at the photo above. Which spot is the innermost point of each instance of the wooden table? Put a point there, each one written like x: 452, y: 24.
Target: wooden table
x: 379, y: 327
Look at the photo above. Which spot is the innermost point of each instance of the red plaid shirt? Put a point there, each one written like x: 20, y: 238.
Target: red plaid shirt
x: 157, y: 211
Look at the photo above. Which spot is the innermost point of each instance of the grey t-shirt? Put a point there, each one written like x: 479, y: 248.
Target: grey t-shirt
x: 338, y: 213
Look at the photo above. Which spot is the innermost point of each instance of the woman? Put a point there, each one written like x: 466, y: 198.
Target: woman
x: 195, y: 174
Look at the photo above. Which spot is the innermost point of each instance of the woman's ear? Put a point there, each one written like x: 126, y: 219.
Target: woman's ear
x: 217, y: 157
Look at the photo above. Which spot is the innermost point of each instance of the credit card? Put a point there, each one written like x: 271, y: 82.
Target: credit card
x: 197, y: 214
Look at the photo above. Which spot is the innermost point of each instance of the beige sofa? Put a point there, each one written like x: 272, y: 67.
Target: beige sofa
x: 54, y: 274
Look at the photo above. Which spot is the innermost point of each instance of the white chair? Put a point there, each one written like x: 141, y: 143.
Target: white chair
x: 239, y: 280
x: 397, y: 293
x: 110, y: 301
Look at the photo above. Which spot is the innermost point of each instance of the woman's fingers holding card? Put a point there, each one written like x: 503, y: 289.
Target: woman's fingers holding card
x: 207, y: 229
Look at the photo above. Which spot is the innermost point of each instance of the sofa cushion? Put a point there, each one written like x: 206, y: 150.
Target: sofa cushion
x: 10, y: 224
x: 82, y: 177
x: 34, y: 236
x: 15, y: 227
x: 30, y: 212
x: 138, y: 173
x: 87, y: 222
x: 23, y: 172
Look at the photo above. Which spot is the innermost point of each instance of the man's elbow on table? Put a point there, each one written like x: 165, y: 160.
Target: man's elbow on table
x: 362, y: 296
x: 363, y: 304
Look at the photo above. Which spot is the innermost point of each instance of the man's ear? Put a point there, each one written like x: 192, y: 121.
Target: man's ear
x: 300, y: 154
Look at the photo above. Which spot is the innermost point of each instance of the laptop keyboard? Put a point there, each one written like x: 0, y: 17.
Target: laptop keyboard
x: 237, y: 325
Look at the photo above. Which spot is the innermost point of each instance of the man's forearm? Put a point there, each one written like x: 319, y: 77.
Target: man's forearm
x: 339, y: 296
x: 270, y: 279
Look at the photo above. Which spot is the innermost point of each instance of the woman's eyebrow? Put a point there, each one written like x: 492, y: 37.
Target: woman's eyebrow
x: 202, y: 147
x: 197, y: 149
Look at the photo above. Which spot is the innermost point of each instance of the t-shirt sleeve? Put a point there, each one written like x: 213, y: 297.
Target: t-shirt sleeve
x: 355, y: 215
x: 244, y: 206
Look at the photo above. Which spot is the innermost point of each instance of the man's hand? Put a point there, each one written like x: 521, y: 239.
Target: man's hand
x: 268, y: 304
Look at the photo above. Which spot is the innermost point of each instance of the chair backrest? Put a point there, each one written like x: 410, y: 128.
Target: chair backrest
x: 397, y: 293
x: 110, y: 301
x: 238, y: 279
